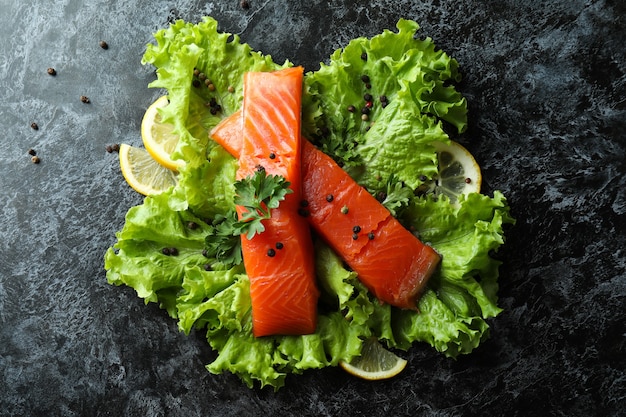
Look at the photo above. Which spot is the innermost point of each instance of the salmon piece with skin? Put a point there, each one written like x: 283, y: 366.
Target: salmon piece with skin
x: 280, y: 260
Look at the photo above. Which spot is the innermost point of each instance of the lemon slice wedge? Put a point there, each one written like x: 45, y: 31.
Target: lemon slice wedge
x: 143, y: 173
x: 375, y: 362
x: 158, y: 137
x: 459, y: 172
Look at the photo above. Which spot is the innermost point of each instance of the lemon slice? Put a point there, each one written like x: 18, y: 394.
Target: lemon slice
x: 158, y: 137
x: 143, y: 173
x: 459, y: 172
x: 375, y: 362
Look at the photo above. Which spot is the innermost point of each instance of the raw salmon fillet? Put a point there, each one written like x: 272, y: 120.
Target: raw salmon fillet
x: 390, y: 261
x: 279, y: 261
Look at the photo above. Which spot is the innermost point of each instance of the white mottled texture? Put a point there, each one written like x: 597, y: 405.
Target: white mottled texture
x: 546, y: 87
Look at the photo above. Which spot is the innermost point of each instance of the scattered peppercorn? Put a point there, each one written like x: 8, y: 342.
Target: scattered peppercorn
x: 115, y: 147
x: 34, y: 126
x: 365, y: 110
x: 468, y: 180
x: 367, y: 97
x: 52, y: 71
x: 351, y: 109
x: 271, y: 253
x: 207, y: 267
x: 330, y: 198
x: 365, y: 78
x: 35, y: 159
x: 104, y: 45
x: 196, y: 83
x: 364, y: 56
x: 279, y: 245
x: 423, y: 177
x: 211, y: 86
x: 345, y: 209
x: 259, y: 168
x: 202, y: 77
x: 355, y: 236
x: 370, y: 235
x: 205, y: 253
x: 365, y: 117
x: 196, y: 72
x: 109, y: 148
x: 84, y: 99
x: 192, y: 225
x: 304, y: 203
x: 32, y: 152
x: 356, y: 229
x: 272, y: 155
x: 245, y: 4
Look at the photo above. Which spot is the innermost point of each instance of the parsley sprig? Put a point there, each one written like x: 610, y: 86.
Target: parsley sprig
x: 258, y: 194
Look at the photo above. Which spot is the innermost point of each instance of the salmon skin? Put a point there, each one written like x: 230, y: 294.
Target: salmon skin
x: 279, y: 261
x: 390, y: 261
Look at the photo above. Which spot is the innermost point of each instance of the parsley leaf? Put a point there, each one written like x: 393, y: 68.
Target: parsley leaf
x: 258, y: 194
x: 223, y: 242
x: 395, y: 195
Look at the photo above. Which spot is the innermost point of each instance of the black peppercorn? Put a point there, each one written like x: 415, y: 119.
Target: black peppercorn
x: 279, y: 245
x: 34, y: 126
x: 104, y: 45
x: 364, y: 56
x: 52, y: 71
x: 330, y: 198
x: 271, y: 253
x: 84, y: 99
x: 365, y: 78
x: 370, y: 235
x: 356, y: 229
x: 272, y: 155
x: 32, y: 152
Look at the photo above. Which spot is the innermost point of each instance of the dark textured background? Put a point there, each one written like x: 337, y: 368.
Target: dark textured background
x: 545, y: 81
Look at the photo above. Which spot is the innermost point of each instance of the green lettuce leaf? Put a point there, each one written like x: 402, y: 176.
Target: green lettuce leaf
x: 414, y: 78
x: 181, y: 51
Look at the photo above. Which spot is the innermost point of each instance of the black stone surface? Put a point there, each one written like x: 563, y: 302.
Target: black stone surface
x: 546, y: 87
